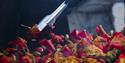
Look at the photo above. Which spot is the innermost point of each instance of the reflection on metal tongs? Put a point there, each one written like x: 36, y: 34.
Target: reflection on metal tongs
x: 50, y: 19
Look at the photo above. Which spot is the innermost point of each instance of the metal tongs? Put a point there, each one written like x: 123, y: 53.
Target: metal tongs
x: 50, y: 19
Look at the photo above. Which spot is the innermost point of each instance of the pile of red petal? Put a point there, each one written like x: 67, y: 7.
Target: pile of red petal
x: 77, y: 47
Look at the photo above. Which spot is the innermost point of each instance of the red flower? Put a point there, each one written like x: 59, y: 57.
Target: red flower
x: 20, y: 42
x: 52, y: 61
x: 118, y: 41
x: 121, y: 58
x: 81, y: 54
x: 67, y: 51
x: 74, y: 35
x: 84, y: 42
x: 46, y: 58
x: 82, y: 34
x: 100, y: 30
x: 38, y: 59
x: 58, y: 38
x: 24, y: 59
x: 40, y: 49
x: 48, y: 44
x: 4, y: 59
x: 101, y: 42
x: 10, y: 50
